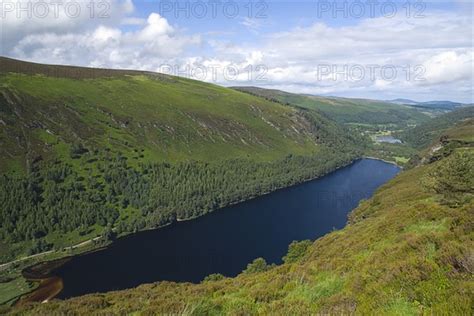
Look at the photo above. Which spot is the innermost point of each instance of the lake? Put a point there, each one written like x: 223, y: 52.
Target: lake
x: 388, y: 139
x: 227, y: 240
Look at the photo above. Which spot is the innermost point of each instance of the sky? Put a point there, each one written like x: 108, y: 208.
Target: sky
x: 378, y: 49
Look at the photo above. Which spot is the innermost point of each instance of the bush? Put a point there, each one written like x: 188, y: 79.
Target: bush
x: 213, y: 277
x: 453, y: 178
x: 258, y: 265
x: 77, y: 150
x: 296, y: 250
x: 39, y: 245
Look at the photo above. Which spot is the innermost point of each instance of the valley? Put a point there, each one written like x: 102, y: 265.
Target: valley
x: 416, y: 229
x: 90, y: 156
x: 236, y: 158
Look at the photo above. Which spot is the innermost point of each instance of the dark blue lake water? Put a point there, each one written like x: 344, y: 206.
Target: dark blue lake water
x: 227, y: 240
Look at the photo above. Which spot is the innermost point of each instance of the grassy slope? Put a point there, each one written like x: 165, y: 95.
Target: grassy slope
x: 464, y: 131
x: 367, y: 117
x: 422, y: 135
x: 404, y: 252
x: 351, y: 111
x: 171, y: 119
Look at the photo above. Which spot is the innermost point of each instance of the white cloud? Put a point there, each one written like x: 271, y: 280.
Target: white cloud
x: 92, y: 43
x: 21, y: 18
x: 156, y: 27
x: 449, y: 66
x: 133, y: 21
x: 395, y: 55
x: 252, y: 24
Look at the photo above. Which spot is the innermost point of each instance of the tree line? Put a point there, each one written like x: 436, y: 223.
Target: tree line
x: 55, y: 197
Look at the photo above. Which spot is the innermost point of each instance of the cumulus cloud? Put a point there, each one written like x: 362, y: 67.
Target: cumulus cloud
x: 376, y: 56
x: 21, y: 18
x: 98, y: 42
x: 449, y: 66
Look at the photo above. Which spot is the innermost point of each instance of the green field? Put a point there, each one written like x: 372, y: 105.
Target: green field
x: 10, y: 289
x: 168, y: 119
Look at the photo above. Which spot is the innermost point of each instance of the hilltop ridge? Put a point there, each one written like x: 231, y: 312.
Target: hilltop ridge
x: 347, y: 110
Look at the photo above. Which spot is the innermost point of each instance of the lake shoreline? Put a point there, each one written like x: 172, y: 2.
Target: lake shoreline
x: 197, y: 217
x: 49, y: 285
x: 226, y: 241
x: 5, y: 265
x: 381, y: 159
x: 178, y: 220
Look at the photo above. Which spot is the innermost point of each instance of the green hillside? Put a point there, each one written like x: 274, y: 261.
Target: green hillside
x: 96, y: 152
x: 370, y: 118
x: 423, y: 134
x: 406, y: 251
x: 165, y: 118
x: 348, y: 111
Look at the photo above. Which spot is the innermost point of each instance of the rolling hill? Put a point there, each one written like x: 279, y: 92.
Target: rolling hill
x: 348, y: 111
x: 45, y: 109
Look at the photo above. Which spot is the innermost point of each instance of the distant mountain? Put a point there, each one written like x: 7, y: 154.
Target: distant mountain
x: 441, y: 105
x: 347, y: 110
x: 403, y: 101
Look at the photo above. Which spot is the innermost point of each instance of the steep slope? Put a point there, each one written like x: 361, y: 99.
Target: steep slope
x: 423, y: 134
x: 167, y: 118
x: 406, y: 251
x: 84, y: 152
x: 349, y: 111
